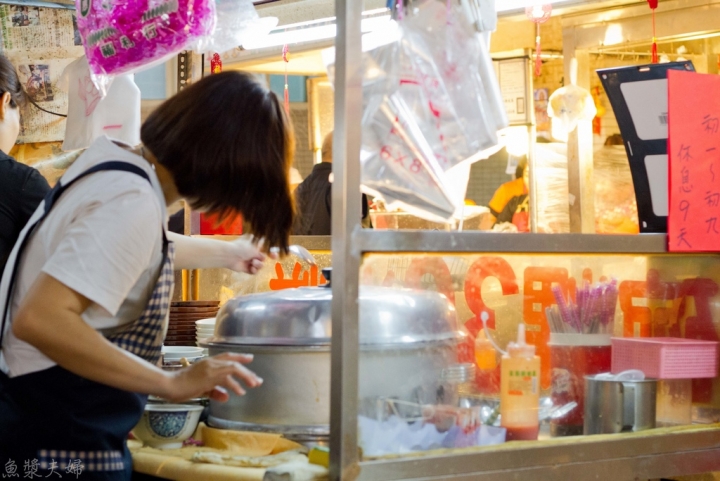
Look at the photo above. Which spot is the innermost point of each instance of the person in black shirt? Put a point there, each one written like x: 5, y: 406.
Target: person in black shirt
x: 21, y: 187
x: 313, y: 198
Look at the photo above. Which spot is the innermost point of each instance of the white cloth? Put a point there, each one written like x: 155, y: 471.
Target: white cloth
x: 103, y: 239
x: 91, y: 116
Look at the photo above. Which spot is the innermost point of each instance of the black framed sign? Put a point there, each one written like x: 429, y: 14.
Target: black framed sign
x: 639, y: 99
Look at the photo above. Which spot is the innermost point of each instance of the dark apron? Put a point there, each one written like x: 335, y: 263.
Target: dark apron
x: 55, y: 422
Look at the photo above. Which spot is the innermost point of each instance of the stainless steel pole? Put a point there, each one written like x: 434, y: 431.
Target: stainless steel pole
x: 346, y: 213
x: 532, y: 134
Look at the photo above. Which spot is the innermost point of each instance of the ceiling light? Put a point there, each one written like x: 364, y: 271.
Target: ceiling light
x: 315, y: 30
x: 508, y: 5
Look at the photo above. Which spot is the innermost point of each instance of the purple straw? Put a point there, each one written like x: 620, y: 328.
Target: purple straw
x: 565, y: 311
x: 593, y: 309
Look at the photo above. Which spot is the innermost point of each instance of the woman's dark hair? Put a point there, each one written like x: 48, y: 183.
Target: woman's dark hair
x: 229, y: 145
x: 10, y: 83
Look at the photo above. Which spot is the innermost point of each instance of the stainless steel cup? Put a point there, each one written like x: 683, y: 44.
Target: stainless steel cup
x: 617, y: 406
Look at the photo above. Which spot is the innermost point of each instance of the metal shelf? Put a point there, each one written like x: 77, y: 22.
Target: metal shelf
x: 366, y: 241
x: 643, y: 455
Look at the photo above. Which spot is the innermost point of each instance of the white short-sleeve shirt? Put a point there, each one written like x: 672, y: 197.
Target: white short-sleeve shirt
x: 103, y: 239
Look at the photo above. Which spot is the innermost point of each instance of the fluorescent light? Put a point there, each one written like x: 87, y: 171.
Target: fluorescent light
x: 507, y: 5
x: 315, y: 30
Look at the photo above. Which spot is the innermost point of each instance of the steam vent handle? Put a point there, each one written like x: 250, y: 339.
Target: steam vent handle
x: 327, y: 274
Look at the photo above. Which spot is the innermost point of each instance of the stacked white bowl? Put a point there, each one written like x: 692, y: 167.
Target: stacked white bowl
x: 204, y: 328
x: 173, y: 354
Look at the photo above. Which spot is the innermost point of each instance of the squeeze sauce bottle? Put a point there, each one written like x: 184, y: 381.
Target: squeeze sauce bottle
x: 487, y: 375
x: 520, y: 389
x: 485, y: 356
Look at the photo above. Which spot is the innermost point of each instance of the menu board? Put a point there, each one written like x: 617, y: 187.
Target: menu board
x: 40, y: 42
x: 512, y: 76
x: 694, y: 148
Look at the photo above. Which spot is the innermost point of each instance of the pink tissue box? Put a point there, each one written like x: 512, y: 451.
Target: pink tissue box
x: 665, y: 357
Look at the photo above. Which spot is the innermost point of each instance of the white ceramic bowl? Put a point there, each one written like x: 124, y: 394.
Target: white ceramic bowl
x: 176, y: 352
x: 166, y: 426
x: 206, y: 331
x: 209, y: 322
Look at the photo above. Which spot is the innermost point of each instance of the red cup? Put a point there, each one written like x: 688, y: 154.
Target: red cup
x: 572, y: 357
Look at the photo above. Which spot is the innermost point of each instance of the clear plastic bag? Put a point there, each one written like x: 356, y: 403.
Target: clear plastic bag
x: 424, y: 111
x: 237, y: 21
x: 445, y: 56
x: 124, y: 36
x: 399, y: 162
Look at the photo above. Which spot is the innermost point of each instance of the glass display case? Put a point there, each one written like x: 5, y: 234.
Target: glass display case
x: 659, y: 427
x: 447, y: 415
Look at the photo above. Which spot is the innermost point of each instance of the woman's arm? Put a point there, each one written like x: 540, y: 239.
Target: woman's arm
x: 239, y: 255
x: 49, y: 318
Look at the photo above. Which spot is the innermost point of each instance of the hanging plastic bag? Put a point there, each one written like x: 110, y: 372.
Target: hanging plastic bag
x: 570, y: 105
x: 398, y: 164
x: 447, y: 58
x: 237, y: 22
x: 117, y: 115
x: 400, y: 139
x: 125, y: 36
x: 423, y: 111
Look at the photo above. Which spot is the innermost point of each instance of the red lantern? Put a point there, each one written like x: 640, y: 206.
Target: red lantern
x: 653, y: 5
x: 216, y: 63
x: 538, y: 14
x: 286, y: 93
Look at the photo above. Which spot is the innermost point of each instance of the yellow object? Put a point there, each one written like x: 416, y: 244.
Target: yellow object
x: 158, y: 463
x: 485, y: 356
x: 177, y: 464
x: 319, y: 455
x: 520, y: 389
x: 245, y: 443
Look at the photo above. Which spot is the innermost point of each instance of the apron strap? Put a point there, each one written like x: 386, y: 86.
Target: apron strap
x: 50, y: 200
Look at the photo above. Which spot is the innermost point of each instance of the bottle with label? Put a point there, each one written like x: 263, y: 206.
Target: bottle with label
x: 520, y: 389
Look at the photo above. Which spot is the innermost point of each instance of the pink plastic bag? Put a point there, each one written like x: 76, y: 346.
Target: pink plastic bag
x: 123, y: 36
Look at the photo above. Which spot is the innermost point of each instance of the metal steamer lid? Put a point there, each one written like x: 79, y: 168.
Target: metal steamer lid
x: 301, y: 317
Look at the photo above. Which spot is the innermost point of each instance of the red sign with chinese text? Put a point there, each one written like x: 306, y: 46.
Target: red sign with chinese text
x: 694, y: 150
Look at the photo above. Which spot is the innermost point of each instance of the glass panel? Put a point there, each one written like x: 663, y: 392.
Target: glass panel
x: 288, y: 272
x: 427, y: 390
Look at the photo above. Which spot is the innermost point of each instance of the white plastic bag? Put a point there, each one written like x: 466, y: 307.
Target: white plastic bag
x: 117, y: 115
x: 570, y: 105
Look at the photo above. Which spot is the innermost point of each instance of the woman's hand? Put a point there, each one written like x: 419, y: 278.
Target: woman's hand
x: 246, y: 256
x: 212, y: 377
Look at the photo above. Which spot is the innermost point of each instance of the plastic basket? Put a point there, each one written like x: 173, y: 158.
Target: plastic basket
x: 665, y: 357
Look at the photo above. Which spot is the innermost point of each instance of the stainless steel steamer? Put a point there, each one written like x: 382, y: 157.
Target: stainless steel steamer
x: 408, y: 337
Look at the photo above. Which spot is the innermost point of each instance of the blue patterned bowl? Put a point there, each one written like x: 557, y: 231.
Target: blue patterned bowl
x: 166, y: 426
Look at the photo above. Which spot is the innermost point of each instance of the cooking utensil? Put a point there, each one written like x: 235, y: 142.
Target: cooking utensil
x: 408, y: 335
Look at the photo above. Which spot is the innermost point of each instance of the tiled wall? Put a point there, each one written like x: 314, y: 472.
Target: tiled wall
x: 303, y: 152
